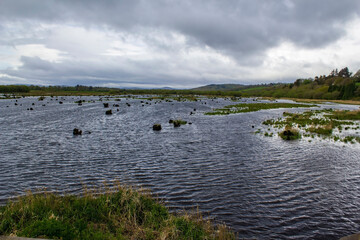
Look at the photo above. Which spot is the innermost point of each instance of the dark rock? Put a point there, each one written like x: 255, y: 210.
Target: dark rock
x: 252, y: 126
x: 77, y: 131
x: 157, y: 127
x: 106, y: 105
x: 171, y: 121
x: 61, y: 102
x: 108, y: 112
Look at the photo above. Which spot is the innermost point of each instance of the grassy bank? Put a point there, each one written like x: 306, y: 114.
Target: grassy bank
x: 116, y: 213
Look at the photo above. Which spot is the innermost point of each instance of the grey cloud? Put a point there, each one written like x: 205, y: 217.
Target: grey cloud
x: 119, y: 73
x: 240, y: 28
x: 88, y: 73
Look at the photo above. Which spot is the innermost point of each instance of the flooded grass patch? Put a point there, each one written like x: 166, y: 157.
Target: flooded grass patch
x: 253, y: 107
x: 338, y: 125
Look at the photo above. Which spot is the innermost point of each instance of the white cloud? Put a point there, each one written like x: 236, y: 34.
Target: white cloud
x: 40, y: 51
x: 288, y: 60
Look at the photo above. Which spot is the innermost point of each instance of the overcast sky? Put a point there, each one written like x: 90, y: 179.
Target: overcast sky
x: 175, y: 43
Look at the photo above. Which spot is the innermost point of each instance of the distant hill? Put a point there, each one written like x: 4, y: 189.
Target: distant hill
x: 234, y: 87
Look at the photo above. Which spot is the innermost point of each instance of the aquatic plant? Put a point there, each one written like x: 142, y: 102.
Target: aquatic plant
x: 178, y: 122
x: 111, y: 213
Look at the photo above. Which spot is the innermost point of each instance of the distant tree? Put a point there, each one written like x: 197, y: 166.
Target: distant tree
x: 298, y: 82
x: 307, y: 81
x: 344, y: 72
x: 357, y: 74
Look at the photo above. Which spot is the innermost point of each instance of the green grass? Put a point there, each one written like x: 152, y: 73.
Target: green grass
x: 253, y: 107
x: 345, y: 115
x: 114, y: 213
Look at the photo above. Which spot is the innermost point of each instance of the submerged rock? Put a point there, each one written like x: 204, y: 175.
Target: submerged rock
x: 108, y: 112
x: 106, y: 105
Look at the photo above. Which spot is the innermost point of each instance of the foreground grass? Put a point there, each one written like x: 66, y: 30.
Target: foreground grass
x: 120, y: 213
x: 253, y: 107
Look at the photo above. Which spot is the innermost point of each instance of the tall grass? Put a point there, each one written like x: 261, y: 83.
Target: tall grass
x: 108, y: 213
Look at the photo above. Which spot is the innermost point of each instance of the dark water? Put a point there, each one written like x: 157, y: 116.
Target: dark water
x: 262, y: 187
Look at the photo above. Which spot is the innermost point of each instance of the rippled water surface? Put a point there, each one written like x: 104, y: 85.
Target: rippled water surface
x: 262, y: 187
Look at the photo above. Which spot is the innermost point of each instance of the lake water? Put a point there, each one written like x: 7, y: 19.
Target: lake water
x: 262, y: 187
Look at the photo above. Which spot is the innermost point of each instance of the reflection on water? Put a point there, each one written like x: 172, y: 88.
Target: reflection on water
x: 261, y: 187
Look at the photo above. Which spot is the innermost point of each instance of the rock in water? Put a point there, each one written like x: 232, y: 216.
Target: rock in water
x: 157, y: 127
x: 77, y: 131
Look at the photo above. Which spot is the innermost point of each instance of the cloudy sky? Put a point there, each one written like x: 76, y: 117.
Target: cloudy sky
x: 172, y: 43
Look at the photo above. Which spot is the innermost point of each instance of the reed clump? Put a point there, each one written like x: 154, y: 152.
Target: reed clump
x: 112, y: 213
x: 290, y: 133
